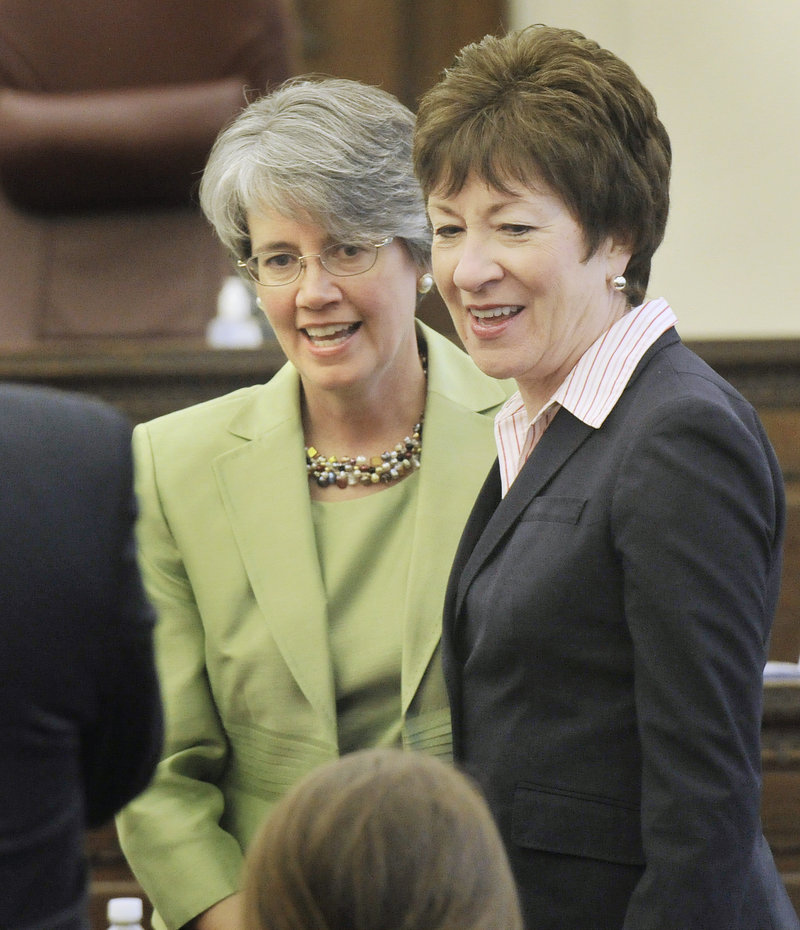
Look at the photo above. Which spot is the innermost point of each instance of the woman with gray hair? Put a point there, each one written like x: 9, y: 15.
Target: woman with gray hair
x: 296, y: 536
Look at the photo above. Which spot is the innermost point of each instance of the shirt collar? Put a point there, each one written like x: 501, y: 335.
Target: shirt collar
x: 590, y: 390
x: 593, y: 387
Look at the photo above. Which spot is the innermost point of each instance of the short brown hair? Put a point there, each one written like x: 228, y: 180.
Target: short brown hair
x: 551, y: 105
x: 376, y: 840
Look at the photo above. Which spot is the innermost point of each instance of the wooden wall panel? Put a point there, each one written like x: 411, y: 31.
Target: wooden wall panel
x: 401, y: 45
x: 359, y: 39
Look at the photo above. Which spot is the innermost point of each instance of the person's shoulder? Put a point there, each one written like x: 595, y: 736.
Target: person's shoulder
x: 33, y: 406
x: 671, y: 359
x: 219, y: 424
x: 675, y: 389
x: 216, y: 409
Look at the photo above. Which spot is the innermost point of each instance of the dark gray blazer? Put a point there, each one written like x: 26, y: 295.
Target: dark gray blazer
x: 606, y: 627
x: 80, y: 716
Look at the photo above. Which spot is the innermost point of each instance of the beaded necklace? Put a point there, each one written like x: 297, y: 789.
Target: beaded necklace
x: 387, y: 467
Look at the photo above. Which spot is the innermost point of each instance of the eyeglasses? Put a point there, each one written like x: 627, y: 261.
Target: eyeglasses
x: 342, y: 259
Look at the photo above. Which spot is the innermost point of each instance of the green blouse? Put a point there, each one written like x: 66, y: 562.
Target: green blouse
x: 364, y: 548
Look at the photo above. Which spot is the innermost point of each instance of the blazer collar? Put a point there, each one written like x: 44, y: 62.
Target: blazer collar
x: 442, y: 506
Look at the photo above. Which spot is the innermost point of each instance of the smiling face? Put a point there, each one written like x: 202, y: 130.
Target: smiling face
x: 512, y: 269
x: 344, y: 334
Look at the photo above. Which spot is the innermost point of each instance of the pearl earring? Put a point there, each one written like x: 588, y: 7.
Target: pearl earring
x: 259, y: 304
x: 425, y: 283
x: 619, y: 282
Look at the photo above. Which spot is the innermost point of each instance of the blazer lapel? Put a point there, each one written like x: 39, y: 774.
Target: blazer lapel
x: 265, y: 491
x: 560, y: 440
x: 441, y: 512
x: 457, y: 441
x: 484, y: 507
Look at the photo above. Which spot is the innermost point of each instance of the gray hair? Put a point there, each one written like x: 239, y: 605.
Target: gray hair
x: 336, y: 151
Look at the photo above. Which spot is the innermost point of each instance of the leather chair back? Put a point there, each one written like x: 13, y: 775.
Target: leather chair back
x: 107, y: 113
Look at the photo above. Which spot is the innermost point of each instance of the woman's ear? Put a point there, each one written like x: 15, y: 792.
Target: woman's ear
x: 618, y: 254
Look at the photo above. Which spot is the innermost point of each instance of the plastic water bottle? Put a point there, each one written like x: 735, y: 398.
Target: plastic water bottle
x: 125, y: 914
x: 234, y: 326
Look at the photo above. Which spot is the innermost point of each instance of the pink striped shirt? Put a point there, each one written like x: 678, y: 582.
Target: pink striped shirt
x: 589, y: 391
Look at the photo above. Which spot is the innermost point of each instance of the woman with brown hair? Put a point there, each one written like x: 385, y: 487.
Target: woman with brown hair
x: 608, y: 613
x: 376, y: 840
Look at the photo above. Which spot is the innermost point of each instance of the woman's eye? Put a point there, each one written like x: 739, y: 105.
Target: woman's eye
x: 277, y: 260
x: 446, y: 232
x: 516, y: 229
x: 347, y: 250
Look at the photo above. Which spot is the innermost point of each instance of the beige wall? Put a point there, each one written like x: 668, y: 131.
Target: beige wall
x: 726, y: 77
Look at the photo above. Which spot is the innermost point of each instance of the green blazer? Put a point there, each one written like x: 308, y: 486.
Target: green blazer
x: 228, y: 554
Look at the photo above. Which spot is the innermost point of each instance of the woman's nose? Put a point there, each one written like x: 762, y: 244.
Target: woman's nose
x: 475, y: 267
x: 317, y: 287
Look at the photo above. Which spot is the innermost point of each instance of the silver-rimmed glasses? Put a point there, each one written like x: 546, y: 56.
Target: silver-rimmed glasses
x: 342, y: 259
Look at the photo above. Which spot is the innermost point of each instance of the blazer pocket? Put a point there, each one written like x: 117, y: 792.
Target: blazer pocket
x: 556, y: 821
x: 554, y: 509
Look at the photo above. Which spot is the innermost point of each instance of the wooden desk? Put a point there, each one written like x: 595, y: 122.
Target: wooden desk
x: 144, y: 379
x: 780, y: 759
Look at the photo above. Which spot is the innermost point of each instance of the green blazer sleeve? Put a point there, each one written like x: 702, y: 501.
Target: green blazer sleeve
x: 172, y: 834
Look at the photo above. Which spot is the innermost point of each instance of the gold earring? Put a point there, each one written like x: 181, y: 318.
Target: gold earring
x: 425, y: 283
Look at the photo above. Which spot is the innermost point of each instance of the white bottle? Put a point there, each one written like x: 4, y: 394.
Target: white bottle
x: 124, y: 914
x: 234, y: 326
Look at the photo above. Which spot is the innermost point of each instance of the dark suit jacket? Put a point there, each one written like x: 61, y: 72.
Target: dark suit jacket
x: 80, y: 717
x: 606, y: 628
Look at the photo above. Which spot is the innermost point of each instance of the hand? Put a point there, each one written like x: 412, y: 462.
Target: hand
x: 224, y: 915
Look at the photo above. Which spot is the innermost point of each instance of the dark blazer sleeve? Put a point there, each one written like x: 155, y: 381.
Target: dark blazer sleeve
x: 697, y: 519
x: 80, y: 715
x: 77, y: 626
